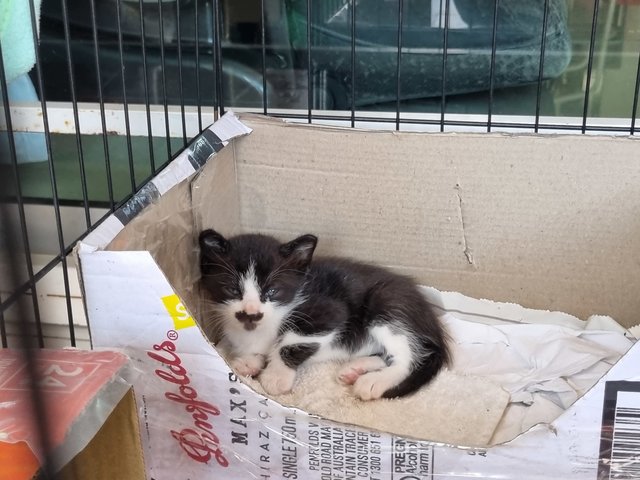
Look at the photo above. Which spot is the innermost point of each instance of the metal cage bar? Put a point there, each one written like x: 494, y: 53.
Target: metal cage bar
x: 309, y: 71
x: 125, y: 102
x: 163, y: 66
x: 21, y: 211
x: 492, y: 68
x: 145, y: 73
x: 399, y: 60
x: 352, y: 86
x: 103, y: 121
x: 263, y: 56
x: 543, y: 47
x: 445, y: 49
x: 196, y: 20
x: 217, y: 50
x: 634, y: 108
x: 74, y: 103
x: 180, y: 79
x: 592, y: 45
x: 61, y: 259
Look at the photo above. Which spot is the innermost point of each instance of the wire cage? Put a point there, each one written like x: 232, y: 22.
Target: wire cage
x: 118, y: 87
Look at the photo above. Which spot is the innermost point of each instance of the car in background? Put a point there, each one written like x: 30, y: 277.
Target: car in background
x: 179, y: 61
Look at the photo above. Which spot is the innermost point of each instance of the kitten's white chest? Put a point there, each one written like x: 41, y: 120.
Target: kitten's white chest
x: 258, y: 341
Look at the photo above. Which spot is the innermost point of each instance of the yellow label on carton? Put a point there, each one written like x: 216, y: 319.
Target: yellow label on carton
x: 178, y: 312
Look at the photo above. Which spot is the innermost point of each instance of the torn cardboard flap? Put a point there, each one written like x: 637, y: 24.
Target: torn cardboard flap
x: 482, y: 215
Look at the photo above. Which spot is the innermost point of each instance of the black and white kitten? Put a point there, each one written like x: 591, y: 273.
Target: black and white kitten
x: 278, y: 308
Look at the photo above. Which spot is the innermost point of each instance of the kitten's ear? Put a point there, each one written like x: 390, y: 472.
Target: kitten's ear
x: 300, y: 250
x: 213, y: 244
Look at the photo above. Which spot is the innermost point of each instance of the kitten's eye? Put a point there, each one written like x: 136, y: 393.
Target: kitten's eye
x: 271, y: 293
x: 232, y: 291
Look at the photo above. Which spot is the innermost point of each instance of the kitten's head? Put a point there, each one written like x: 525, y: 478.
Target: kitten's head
x: 253, y: 279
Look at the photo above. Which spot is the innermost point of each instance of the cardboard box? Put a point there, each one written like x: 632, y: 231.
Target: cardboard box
x: 90, y: 412
x: 544, y: 221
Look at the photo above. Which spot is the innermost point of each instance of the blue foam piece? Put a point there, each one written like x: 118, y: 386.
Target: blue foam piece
x: 30, y: 146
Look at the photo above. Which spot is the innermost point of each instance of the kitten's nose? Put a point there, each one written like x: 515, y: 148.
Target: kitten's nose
x: 252, y: 308
x: 248, y: 317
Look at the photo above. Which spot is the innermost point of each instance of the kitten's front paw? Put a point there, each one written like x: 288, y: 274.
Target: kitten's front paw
x: 248, y: 365
x: 277, y: 379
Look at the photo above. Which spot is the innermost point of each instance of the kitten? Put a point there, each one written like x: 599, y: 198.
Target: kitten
x: 278, y: 308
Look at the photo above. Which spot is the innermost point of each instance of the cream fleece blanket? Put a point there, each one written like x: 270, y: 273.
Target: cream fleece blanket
x: 454, y: 409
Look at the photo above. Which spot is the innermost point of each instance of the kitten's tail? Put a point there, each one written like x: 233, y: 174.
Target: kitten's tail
x: 422, y: 373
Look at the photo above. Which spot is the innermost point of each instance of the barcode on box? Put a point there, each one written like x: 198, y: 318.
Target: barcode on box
x: 620, y: 434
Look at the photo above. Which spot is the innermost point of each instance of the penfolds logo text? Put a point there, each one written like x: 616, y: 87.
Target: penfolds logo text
x: 199, y: 442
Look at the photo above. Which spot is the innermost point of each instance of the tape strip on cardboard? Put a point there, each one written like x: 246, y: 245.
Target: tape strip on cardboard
x: 190, y: 160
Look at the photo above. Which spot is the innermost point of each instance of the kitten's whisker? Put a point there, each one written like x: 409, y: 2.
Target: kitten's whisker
x: 300, y: 314
x: 300, y: 317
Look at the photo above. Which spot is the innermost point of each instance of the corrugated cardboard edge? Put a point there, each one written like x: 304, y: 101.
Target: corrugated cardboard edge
x: 258, y: 118
x: 201, y: 150
x: 204, y: 147
x: 115, y: 451
x: 94, y: 414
